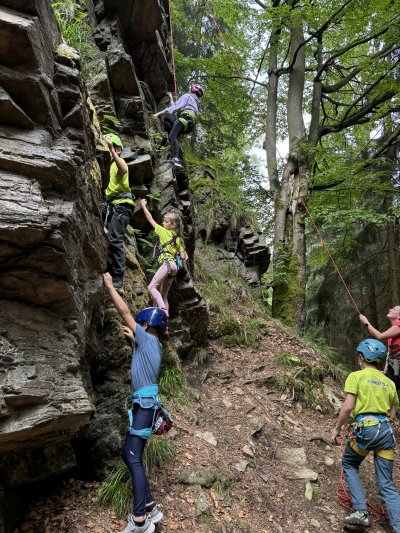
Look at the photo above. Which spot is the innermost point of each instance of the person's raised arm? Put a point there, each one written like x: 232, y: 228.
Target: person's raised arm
x: 119, y: 303
x: 147, y: 214
x: 122, y: 168
x: 393, y: 331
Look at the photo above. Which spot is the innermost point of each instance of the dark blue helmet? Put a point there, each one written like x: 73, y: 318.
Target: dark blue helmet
x: 154, y: 317
x: 371, y: 349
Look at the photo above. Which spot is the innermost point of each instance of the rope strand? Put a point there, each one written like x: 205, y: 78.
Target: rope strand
x: 172, y: 47
x: 330, y: 256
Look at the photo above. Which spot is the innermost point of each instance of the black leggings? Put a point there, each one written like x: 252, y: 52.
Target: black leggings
x: 174, y: 128
x: 132, y: 456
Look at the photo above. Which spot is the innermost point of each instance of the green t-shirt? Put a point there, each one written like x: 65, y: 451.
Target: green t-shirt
x: 375, y: 392
x: 170, y: 251
x: 118, y: 183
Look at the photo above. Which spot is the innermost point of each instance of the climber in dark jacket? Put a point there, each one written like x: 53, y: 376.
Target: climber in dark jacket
x: 180, y: 117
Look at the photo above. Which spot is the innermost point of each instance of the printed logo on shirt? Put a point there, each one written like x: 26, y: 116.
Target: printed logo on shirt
x: 377, y: 382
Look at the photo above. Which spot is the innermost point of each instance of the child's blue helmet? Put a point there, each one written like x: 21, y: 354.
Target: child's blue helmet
x: 371, y: 349
x: 154, y: 317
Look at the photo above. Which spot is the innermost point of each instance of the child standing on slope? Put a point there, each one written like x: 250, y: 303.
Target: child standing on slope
x: 144, y: 332
x: 373, y: 399
x: 180, y: 117
x: 171, y: 245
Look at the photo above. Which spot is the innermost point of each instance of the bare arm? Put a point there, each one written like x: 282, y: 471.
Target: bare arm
x: 393, y: 331
x: 147, y: 214
x: 119, y: 303
x: 347, y: 407
x: 160, y: 113
x: 122, y: 168
x: 393, y: 412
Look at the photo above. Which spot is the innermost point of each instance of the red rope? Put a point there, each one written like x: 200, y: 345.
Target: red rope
x: 330, y: 256
x: 172, y: 48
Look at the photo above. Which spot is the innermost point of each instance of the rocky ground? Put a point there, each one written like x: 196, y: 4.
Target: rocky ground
x: 253, y: 444
x: 235, y: 440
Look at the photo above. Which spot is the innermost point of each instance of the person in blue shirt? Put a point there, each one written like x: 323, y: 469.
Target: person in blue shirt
x: 144, y: 332
x: 180, y: 117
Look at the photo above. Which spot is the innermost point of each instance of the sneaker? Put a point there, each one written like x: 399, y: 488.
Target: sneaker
x: 358, y: 518
x: 118, y: 283
x: 176, y: 162
x: 156, y: 515
x: 131, y: 527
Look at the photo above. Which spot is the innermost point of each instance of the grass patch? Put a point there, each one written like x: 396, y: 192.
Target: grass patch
x: 158, y: 452
x: 173, y: 386
x: 116, y: 491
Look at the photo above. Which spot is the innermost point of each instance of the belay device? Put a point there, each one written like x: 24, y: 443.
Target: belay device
x: 162, y: 421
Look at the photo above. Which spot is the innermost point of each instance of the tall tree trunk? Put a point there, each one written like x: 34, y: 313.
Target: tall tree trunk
x: 391, y: 237
x: 288, y: 301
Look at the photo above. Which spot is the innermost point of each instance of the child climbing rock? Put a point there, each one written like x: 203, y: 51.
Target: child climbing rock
x: 117, y: 209
x: 144, y: 332
x: 171, y: 251
x: 373, y: 399
x: 180, y: 117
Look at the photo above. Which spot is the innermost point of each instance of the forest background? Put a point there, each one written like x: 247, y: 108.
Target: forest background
x: 322, y: 77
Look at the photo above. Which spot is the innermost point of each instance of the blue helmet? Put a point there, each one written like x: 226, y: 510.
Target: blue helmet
x: 154, y: 317
x: 371, y: 349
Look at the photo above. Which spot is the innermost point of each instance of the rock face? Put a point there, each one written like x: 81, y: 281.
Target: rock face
x: 62, y: 384
x: 231, y: 233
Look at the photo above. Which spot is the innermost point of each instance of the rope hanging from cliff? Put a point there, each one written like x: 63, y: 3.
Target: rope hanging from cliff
x: 330, y: 256
x: 172, y: 48
x: 242, y: 77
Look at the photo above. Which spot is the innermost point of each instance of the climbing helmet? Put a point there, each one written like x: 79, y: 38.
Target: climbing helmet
x: 155, y: 317
x: 371, y: 349
x: 197, y: 89
x: 115, y: 139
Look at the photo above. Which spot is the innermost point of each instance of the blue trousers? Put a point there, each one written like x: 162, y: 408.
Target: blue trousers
x: 132, y: 455
x: 378, y: 437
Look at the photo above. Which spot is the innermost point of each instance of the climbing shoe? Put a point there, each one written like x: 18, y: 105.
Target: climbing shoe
x: 176, y: 162
x: 148, y: 526
x: 358, y: 518
x: 118, y: 283
x: 155, y: 515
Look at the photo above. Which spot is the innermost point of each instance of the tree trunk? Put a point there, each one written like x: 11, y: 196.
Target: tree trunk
x: 288, y: 301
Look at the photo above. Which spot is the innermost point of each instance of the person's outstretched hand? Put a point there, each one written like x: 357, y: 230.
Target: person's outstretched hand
x: 143, y: 202
x: 108, y: 282
x: 128, y: 333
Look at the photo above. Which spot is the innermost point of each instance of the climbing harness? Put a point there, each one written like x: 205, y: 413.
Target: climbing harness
x: 161, y: 251
x: 147, y: 398
x: 188, y: 119
x: 111, y: 206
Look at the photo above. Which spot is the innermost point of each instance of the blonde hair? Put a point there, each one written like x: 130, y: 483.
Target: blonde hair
x: 176, y: 221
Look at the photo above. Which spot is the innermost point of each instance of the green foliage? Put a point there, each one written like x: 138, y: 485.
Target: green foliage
x: 159, y: 452
x: 173, y: 386
x: 110, y: 124
x: 115, y: 490
x: 73, y: 26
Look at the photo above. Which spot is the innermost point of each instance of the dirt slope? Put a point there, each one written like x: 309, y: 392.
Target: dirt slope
x: 245, y: 399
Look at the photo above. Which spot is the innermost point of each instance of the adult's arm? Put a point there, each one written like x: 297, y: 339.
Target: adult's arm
x: 119, y: 303
x: 393, y: 331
